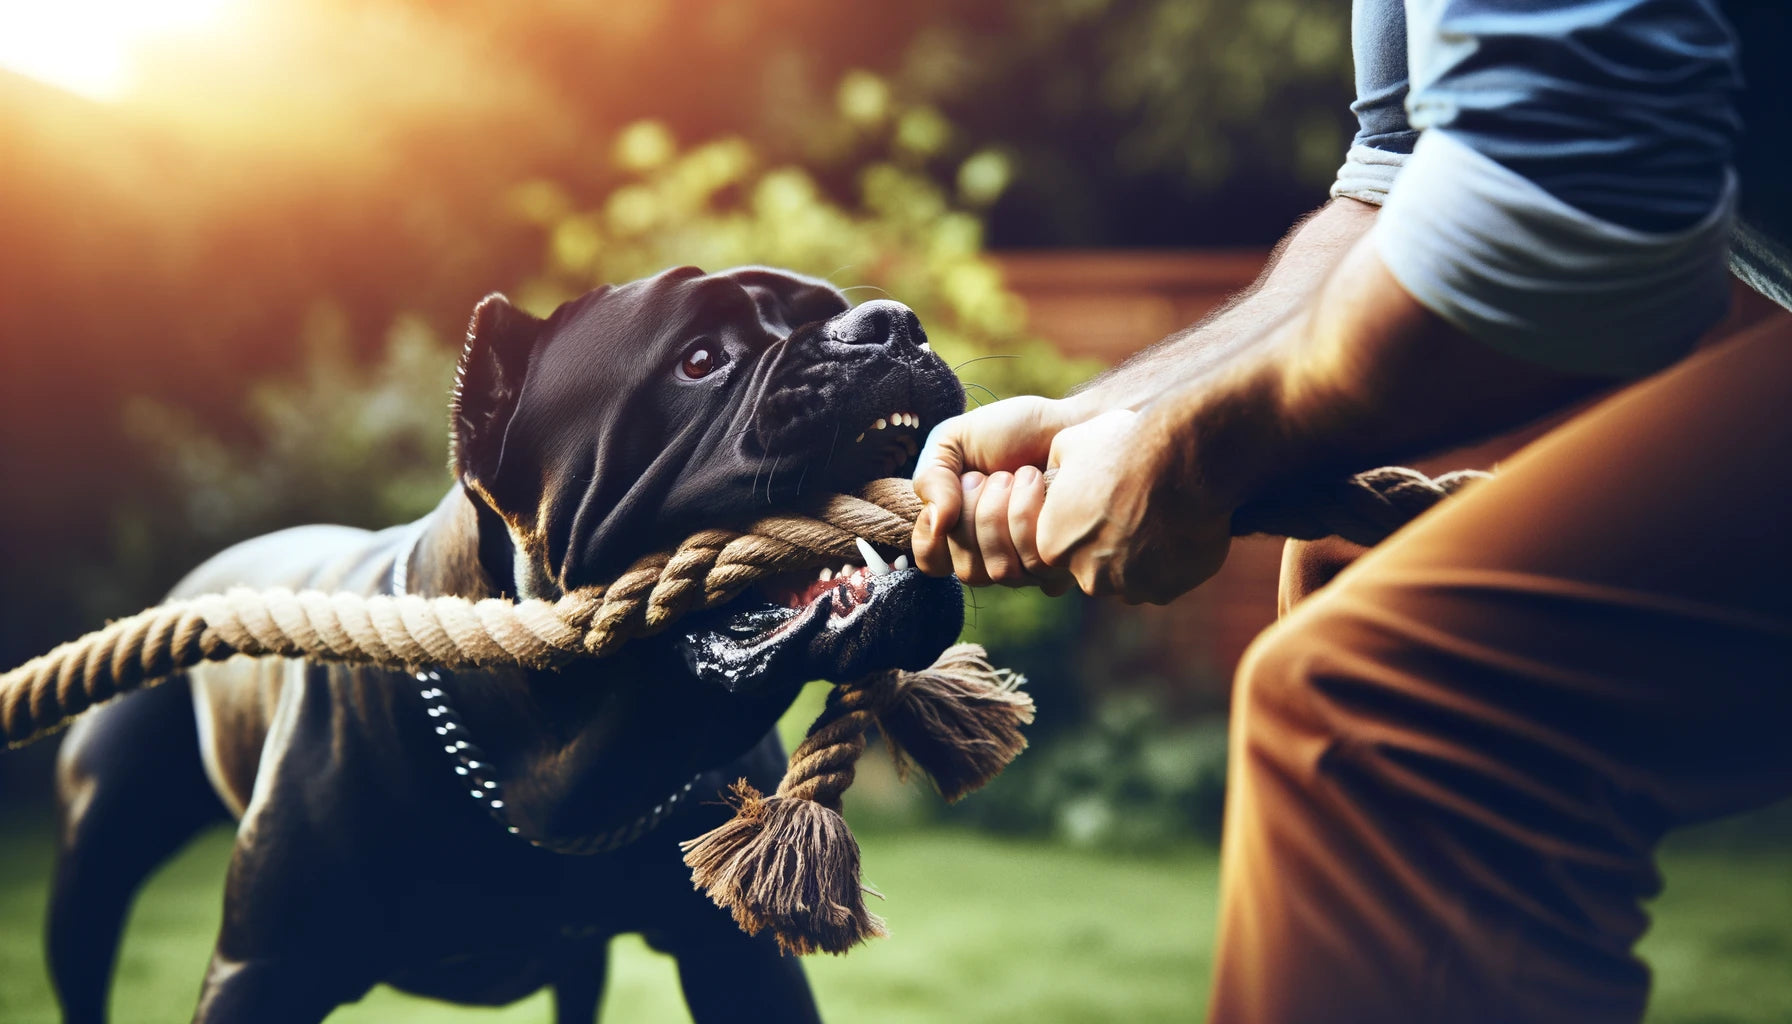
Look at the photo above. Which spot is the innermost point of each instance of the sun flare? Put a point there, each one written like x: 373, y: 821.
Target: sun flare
x: 90, y: 46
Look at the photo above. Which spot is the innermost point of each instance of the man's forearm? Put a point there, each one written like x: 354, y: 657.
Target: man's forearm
x: 1296, y: 268
x: 1362, y: 376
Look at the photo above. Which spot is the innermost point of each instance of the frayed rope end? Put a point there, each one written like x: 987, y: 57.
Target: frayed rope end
x: 958, y: 721
x: 788, y: 865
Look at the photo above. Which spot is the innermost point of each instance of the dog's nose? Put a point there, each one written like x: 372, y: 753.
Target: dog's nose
x: 878, y: 322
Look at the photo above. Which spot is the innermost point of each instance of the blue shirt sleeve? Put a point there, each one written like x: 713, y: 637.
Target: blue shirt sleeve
x: 1623, y: 109
x: 1564, y: 186
x: 1383, y: 137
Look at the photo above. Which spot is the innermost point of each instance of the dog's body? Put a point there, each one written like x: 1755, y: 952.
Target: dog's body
x: 389, y: 824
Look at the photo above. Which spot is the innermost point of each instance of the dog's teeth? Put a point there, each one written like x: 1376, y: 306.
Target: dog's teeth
x: 880, y: 424
x: 826, y: 575
x: 861, y: 437
x: 901, y: 562
x: 845, y: 571
x: 873, y: 560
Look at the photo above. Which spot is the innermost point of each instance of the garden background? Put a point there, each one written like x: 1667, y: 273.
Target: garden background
x: 235, y: 263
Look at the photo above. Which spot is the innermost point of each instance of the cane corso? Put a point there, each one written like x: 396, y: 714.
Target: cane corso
x: 475, y: 836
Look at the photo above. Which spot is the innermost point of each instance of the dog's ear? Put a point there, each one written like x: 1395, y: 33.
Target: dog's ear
x: 500, y: 339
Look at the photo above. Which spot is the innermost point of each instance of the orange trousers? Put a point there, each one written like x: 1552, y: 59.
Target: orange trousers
x: 1451, y: 765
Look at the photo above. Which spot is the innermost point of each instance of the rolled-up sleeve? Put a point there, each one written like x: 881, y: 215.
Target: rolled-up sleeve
x: 1570, y: 198
x: 1383, y: 139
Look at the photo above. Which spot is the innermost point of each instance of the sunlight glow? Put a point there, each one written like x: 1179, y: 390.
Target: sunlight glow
x: 89, y: 46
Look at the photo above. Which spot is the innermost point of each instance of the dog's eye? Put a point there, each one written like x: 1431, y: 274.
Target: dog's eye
x: 700, y: 360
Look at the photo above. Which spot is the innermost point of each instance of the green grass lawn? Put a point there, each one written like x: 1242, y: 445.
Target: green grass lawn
x: 982, y: 929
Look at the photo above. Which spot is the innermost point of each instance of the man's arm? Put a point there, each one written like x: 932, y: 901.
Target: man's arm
x: 1142, y: 503
x: 1297, y: 265
x: 1007, y: 435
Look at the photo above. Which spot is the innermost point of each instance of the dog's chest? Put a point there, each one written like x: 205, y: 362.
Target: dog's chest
x: 529, y: 925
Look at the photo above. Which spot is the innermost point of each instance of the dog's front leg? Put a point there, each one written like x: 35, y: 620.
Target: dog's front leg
x: 576, y: 996
x: 297, y: 939
x: 736, y: 978
x: 285, y: 990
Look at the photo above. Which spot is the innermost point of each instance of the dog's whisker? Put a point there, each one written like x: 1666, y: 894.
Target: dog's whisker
x: 979, y: 387
x: 756, y: 469
x: 829, y: 276
x: 829, y: 460
x: 865, y: 287
x: 979, y: 359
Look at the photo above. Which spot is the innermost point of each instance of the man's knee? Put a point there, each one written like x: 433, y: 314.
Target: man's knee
x: 1308, y: 565
x: 1274, y: 699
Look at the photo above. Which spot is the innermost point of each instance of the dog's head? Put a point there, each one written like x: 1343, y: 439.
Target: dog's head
x: 638, y: 414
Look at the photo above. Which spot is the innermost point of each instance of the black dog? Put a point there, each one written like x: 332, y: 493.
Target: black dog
x: 476, y: 836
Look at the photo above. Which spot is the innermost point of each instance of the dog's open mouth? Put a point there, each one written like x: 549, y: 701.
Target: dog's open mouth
x: 843, y: 594
x: 835, y: 623
x: 867, y: 614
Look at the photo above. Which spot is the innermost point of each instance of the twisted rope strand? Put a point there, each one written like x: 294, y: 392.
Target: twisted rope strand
x: 823, y: 765
x: 709, y: 568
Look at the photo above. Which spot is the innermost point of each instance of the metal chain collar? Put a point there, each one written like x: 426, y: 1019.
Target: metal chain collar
x: 480, y: 775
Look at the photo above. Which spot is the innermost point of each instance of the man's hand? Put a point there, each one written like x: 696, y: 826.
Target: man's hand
x: 1122, y: 514
x: 1114, y: 523
x: 995, y: 440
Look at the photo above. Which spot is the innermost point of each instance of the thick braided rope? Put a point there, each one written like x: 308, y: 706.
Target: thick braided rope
x: 1364, y: 509
x: 822, y: 766
x: 707, y: 569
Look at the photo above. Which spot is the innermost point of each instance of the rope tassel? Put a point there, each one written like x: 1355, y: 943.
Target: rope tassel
x: 788, y: 862
x: 958, y: 722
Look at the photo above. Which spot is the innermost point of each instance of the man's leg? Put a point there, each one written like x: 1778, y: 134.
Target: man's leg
x: 1452, y: 764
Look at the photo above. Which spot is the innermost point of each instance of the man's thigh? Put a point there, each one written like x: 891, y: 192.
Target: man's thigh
x: 1452, y: 763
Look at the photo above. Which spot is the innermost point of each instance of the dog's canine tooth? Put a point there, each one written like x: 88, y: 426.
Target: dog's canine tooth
x: 873, y: 560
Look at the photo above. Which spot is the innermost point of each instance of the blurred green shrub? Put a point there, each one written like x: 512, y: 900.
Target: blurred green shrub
x: 342, y: 442
x: 1127, y: 778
